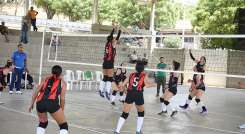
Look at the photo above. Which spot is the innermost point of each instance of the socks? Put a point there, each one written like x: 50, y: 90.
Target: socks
x: 140, y: 121
x: 102, y: 86
x: 120, y: 123
x: 63, y: 131
x: 40, y: 130
x: 113, y: 97
x: 108, y: 86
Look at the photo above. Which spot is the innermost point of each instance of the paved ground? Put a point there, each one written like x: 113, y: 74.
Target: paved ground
x: 87, y: 113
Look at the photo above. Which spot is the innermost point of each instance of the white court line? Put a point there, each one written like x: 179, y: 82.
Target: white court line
x: 149, y: 117
x: 33, y: 115
x: 189, y: 125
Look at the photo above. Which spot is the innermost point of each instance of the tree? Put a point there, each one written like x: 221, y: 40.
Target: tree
x: 75, y: 9
x: 217, y: 17
x: 48, y: 6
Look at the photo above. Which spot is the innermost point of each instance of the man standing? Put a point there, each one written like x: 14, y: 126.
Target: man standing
x: 161, y: 76
x: 19, y: 59
x: 4, y: 31
x: 32, y: 14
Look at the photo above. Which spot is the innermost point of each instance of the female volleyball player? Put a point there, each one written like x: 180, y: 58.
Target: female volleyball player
x: 119, y: 78
x: 170, y: 91
x: 137, y: 81
x: 197, y: 85
x: 108, y: 64
x: 47, y: 101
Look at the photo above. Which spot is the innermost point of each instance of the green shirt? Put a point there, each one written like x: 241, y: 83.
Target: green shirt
x: 161, y: 66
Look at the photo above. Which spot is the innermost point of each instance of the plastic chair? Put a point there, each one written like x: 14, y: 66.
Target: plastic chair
x: 99, y: 77
x: 88, y: 78
x: 70, y: 79
x: 79, y: 76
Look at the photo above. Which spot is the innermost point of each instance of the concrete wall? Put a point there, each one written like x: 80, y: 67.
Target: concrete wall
x: 90, y: 50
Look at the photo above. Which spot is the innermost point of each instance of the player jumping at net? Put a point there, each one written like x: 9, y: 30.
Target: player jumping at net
x: 170, y: 91
x: 47, y: 101
x: 4, y: 71
x: 119, y: 78
x: 137, y: 81
x: 197, y: 84
x: 108, y: 64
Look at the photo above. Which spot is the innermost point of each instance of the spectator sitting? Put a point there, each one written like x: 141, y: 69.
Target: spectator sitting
x: 133, y: 57
x: 4, y: 31
x: 29, y: 78
x: 24, y: 30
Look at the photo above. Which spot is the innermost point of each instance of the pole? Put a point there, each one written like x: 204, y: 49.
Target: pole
x: 41, y: 57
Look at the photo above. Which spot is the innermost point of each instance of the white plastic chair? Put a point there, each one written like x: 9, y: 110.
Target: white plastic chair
x: 79, y: 76
x: 99, y: 77
x: 70, y: 79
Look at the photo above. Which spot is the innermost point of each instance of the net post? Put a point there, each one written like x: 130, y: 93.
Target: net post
x: 41, y: 57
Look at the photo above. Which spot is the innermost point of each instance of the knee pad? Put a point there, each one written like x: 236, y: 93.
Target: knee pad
x: 197, y: 100
x: 1, y: 89
x: 64, y: 126
x: 105, y: 78
x: 141, y: 114
x: 189, y: 97
x: 124, y: 115
x: 110, y: 79
x: 114, y: 93
x: 161, y: 100
x: 165, y: 102
x: 43, y: 124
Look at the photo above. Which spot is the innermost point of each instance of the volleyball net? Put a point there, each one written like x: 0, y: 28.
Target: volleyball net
x: 74, y: 51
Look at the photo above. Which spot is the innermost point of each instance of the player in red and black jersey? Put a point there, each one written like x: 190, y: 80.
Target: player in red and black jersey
x: 170, y: 91
x: 197, y: 84
x: 47, y: 101
x: 108, y: 64
x: 136, y: 83
x: 119, y: 78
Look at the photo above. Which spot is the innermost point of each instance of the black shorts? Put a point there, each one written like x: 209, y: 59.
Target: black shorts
x: 201, y: 87
x: 136, y: 97
x: 108, y: 65
x: 173, y: 90
x: 50, y: 106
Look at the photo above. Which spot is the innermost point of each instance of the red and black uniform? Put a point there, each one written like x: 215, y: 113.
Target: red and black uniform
x: 48, y: 98
x: 110, y: 51
x: 2, y: 79
x: 136, y: 88
x: 200, y: 69
x: 173, y: 82
x: 120, y: 77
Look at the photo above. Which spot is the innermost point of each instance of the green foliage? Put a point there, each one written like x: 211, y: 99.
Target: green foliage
x: 48, y: 6
x: 172, y: 42
x: 217, y: 17
x: 75, y: 9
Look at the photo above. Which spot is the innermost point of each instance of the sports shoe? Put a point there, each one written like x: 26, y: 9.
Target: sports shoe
x: 242, y: 126
x: 113, y: 103
x: 162, y: 112
x: 139, y: 132
x: 184, y: 107
x: 204, y: 111
x: 116, y: 133
x: 101, y: 94
x: 107, y: 95
x: 174, y: 113
x: 18, y: 92
x: 11, y: 92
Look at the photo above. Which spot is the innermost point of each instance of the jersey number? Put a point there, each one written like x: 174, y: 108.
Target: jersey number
x: 135, y: 84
